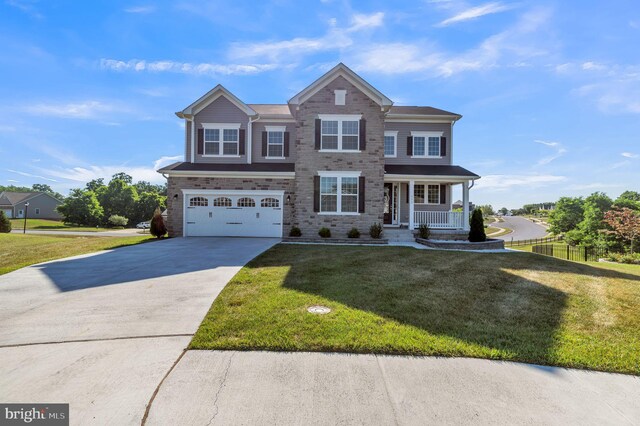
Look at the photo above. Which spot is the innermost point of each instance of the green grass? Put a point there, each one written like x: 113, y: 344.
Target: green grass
x: 395, y: 300
x: 51, y: 225
x: 18, y: 251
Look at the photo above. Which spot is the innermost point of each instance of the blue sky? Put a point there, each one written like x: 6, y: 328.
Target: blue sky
x: 549, y: 90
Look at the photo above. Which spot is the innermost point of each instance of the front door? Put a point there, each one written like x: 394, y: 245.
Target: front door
x: 388, y: 203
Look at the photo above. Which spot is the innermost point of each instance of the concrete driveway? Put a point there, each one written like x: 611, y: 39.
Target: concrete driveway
x: 100, y: 331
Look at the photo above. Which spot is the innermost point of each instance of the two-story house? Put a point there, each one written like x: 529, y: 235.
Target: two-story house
x: 339, y: 155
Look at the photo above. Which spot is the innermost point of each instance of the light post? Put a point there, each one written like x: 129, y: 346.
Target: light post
x: 26, y: 212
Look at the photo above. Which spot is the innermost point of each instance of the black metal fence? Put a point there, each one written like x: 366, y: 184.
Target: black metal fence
x: 533, y: 241
x: 575, y: 253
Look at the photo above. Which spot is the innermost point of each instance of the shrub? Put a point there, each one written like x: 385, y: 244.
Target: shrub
x: 5, y: 223
x: 117, y: 220
x: 375, y: 231
x: 353, y: 233
x: 633, y: 259
x: 476, y: 233
x: 424, y: 231
x: 157, y: 228
x: 324, y: 232
x: 295, y: 232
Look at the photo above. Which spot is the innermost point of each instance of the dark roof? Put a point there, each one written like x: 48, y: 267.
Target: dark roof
x: 419, y: 110
x: 226, y: 167
x: 428, y: 170
x: 8, y: 198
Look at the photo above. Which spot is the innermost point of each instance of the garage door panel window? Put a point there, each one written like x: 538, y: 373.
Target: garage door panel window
x: 246, y: 202
x: 198, y: 202
x: 222, y: 202
x: 338, y: 194
x: 270, y: 202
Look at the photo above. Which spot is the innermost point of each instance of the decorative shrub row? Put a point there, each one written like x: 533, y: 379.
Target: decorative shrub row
x: 375, y: 231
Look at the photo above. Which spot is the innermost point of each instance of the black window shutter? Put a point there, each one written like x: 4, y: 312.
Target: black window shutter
x: 409, y: 145
x: 363, y: 134
x: 443, y: 194
x: 286, y: 144
x: 318, y: 128
x: 265, y: 149
x: 316, y: 193
x: 361, y: 195
x: 242, y: 143
x: 200, y: 141
x: 407, y: 193
x: 443, y: 146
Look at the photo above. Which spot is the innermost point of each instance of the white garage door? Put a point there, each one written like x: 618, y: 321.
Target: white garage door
x: 237, y: 214
x: 8, y: 213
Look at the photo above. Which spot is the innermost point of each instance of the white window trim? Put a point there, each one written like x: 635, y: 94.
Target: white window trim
x: 222, y: 127
x: 269, y: 129
x: 426, y: 194
x: 394, y: 134
x: 339, y: 176
x: 340, y: 118
x: 426, y: 136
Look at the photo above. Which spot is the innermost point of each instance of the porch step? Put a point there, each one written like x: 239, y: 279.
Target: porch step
x: 398, y: 235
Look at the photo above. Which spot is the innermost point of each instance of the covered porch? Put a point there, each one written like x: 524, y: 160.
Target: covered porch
x: 413, y: 200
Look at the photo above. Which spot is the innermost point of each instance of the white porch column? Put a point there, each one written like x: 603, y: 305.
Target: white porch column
x: 411, y: 201
x: 465, y: 205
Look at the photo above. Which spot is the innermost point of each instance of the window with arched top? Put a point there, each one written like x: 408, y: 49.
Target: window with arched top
x: 246, y: 202
x: 270, y: 202
x: 198, y: 202
x: 222, y: 202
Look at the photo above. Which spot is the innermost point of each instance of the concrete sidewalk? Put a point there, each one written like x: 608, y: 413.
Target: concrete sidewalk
x: 228, y: 387
x: 129, y: 232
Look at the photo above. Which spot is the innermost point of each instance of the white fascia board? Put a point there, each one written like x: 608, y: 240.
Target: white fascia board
x: 214, y: 94
x: 266, y: 192
x: 232, y: 174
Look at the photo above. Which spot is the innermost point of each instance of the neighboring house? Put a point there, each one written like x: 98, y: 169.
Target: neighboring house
x: 41, y: 205
x: 339, y: 155
x: 458, y: 205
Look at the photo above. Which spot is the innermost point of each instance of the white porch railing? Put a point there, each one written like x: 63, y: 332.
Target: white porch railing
x: 438, y: 220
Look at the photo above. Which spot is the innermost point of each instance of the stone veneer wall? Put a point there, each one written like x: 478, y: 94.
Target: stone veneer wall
x: 176, y: 184
x: 309, y: 161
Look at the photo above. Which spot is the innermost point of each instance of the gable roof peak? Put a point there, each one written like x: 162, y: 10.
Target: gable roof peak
x: 211, y: 96
x: 344, y: 71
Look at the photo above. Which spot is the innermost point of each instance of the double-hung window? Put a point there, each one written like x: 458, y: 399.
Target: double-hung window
x: 390, y: 143
x: 426, y: 194
x: 340, y: 132
x: 221, y: 139
x: 426, y: 144
x: 275, y: 141
x: 339, y: 194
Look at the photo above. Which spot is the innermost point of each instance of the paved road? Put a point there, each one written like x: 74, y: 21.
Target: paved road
x: 523, y: 229
x: 100, y: 331
x: 227, y: 387
x: 115, y: 233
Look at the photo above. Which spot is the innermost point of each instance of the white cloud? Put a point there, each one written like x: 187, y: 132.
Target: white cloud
x: 25, y: 6
x: 507, y: 182
x: 83, y: 110
x: 557, y: 147
x: 140, y: 65
x: 546, y: 143
x: 361, y: 21
x: 164, y: 161
x: 13, y: 181
x: 476, y: 12
x: 594, y: 66
x: 140, y: 9
x: 512, y: 45
x: 630, y: 155
x: 31, y: 175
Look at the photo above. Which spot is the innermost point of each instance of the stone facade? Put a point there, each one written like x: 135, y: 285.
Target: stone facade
x: 177, y: 184
x: 309, y: 161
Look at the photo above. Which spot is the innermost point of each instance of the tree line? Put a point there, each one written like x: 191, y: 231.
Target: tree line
x: 118, y: 202
x: 599, y: 221
x: 36, y: 187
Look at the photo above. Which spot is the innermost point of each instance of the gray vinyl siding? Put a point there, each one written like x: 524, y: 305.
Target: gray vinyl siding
x: 405, y: 129
x: 187, y: 138
x: 404, y: 203
x: 258, y: 128
x: 221, y: 111
x: 45, y: 203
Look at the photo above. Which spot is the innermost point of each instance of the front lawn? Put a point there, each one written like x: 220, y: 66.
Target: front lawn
x: 18, y: 251
x: 396, y: 300
x: 51, y: 225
